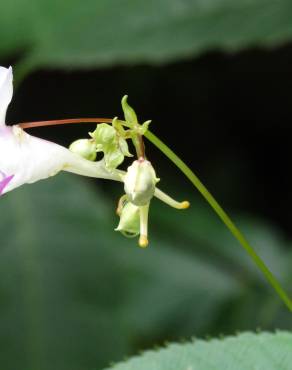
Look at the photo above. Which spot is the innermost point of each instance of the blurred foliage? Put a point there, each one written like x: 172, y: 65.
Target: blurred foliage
x: 76, y: 295
x: 73, y: 33
x: 246, y: 351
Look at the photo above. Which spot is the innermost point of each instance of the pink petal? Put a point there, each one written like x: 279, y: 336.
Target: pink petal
x: 4, y: 183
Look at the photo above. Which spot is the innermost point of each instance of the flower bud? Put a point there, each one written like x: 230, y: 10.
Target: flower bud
x: 85, y: 148
x: 140, y: 181
x: 129, y: 224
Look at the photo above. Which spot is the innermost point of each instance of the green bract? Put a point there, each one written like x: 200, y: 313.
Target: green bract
x: 143, y: 128
x: 129, y: 224
x: 129, y: 113
x: 111, y: 142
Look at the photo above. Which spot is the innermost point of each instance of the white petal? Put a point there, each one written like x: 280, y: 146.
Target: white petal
x: 31, y: 159
x: 6, y: 91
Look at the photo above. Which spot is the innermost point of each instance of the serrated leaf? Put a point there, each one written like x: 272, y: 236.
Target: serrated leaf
x: 263, y: 351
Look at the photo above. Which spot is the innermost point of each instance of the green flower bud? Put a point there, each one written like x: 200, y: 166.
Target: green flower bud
x: 129, y: 224
x: 140, y: 181
x: 85, y: 148
x: 104, y: 136
x: 108, y: 140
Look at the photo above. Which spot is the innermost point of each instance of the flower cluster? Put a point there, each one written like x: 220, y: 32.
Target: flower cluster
x: 26, y: 159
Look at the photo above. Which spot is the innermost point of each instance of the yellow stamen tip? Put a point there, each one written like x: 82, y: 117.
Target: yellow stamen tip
x: 185, y: 204
x: 143, y: 241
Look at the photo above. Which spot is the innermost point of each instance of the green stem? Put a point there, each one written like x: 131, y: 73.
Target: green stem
x: 223, y: 216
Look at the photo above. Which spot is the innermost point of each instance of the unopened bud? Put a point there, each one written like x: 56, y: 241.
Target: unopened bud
x: 129, y: 224
x: 140, y: 181
x: 85, y: 148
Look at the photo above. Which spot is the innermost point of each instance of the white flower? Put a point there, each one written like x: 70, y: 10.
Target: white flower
x: 27, y: 159
x: 140, y: 186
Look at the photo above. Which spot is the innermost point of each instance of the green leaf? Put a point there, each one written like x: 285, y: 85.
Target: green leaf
x: 74, y: 294
x: 106, y: 32
x: 246, y: 351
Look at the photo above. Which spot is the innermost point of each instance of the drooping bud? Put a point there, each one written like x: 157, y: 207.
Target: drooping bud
x: 140, y: 181
x: 129, y: 224
x: 109, y: 141
x: 85, y: 148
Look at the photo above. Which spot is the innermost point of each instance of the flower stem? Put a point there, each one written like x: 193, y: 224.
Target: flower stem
x: 222, y: 215
x: 200, y: 187
x: 64, y: 122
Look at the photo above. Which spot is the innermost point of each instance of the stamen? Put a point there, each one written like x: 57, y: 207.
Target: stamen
x: 64, y: 122
x: 171, y: 202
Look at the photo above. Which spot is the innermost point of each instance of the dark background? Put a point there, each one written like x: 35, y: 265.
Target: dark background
x: 227, y: 114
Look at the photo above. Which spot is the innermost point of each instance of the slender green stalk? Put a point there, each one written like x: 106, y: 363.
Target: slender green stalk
x: 223, y: 216
x: 201, y: 188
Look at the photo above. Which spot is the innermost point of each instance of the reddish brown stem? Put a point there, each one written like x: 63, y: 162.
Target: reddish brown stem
x: 141, y: 148
x: 63, y: 122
